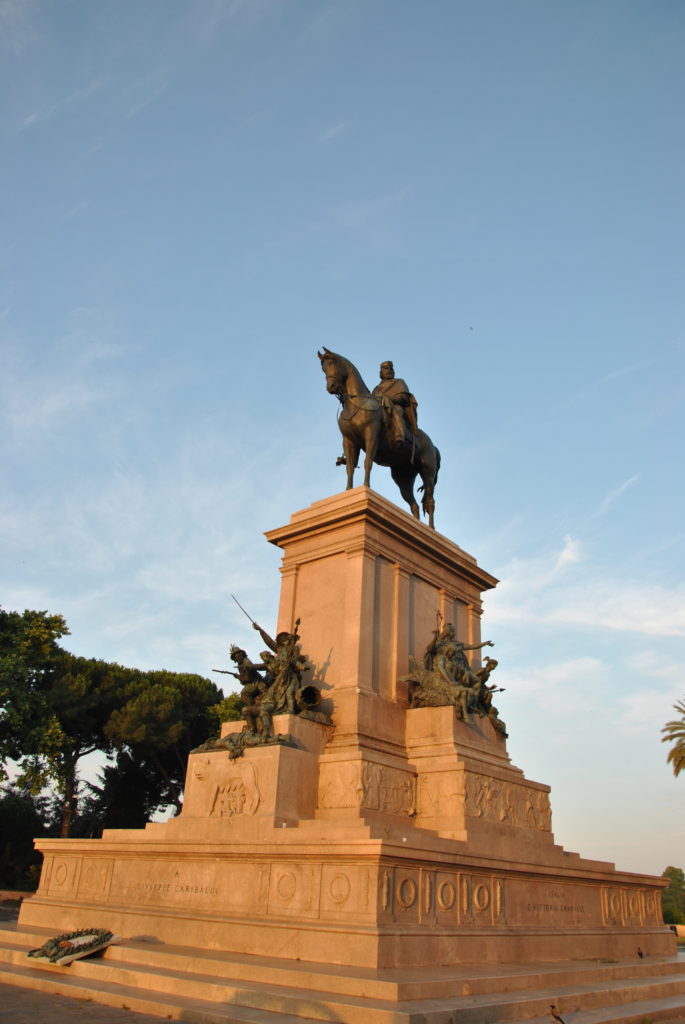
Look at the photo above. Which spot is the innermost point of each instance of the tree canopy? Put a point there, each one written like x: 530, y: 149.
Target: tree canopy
x: 56, y: 707
x: 674, y: 732
x: 22, y: 818
x: 166, y: 716
x: 673, y: 897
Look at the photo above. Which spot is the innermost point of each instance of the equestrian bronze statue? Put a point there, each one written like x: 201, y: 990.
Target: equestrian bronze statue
x: 382, y: 424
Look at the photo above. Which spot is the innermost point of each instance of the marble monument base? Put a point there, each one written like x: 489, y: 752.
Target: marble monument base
x: 400, y: 839
x: 458, y: 865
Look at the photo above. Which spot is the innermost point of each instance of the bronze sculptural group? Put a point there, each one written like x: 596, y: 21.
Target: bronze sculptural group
x: 272, y: 687
x: 444, y: 677
x: 383, y: 424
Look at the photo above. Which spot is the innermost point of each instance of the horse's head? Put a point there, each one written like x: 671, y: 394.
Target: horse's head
x: 333, y: 366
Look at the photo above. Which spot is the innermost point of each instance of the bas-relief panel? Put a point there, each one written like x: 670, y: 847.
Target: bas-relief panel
x: 64, y: 875
x: 340, y: 786
x: 491, y: 799
x: 371, y: 786
x: 345, y: 889
x: 435, y: 897
x: 319, y: 890
x: 439, y: 793
x: 432, y: 897
x: 294, y: 889
x: 95, y: 877
x: 630, y: 906
x: 426, y: 896
x: 388, y: 789
x: 224, y: 788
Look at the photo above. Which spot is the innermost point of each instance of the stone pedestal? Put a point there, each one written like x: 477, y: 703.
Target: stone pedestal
x: 399, y: 838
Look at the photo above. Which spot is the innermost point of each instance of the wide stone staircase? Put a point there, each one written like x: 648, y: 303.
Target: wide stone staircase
x: 213, y: 987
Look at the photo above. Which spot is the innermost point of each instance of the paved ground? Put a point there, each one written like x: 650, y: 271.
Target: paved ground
x: 24, y: 1006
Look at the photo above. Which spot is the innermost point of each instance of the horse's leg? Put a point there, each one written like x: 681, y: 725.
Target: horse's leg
x: 428, y: 503
x: 351, y: 452
x: 429, y: 464
x: 371, y: 437
x: 404, y: 478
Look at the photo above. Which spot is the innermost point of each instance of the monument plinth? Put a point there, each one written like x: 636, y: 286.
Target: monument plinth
x: 400, y: 836
x: 362, y: 847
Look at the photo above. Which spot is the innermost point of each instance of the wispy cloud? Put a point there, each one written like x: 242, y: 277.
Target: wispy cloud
x: 562, y: 589
x: 40, y: 395
x: 569, y: 555
x: 56, y: 107
x: 356, y: 214
x: 334, y: 131
x: 213, y: 14
x: 625, y: 371
x: 17, y: 27
x: 73, y: 211
x: 143, y: 91
x: 606, y: 502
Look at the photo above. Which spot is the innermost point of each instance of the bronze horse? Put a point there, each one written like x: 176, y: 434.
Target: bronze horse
x: 361, y: 424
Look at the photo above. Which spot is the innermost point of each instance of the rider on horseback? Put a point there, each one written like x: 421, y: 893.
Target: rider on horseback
x: 398, y: 404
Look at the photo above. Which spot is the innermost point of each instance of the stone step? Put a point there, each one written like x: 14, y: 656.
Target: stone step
x: 396, y: 985
x: 668, y: 1010
x: 437, y: 984
x: 229, y: 987
x: 190, y: 1011
x: 148, y: 986
x: 193, y: 1011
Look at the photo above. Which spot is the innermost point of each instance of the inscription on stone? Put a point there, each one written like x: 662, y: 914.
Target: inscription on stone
x: 180, y: 888
x: 556, y: 902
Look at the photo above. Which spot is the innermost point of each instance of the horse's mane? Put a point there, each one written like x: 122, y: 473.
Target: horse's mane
x: 349, y: 367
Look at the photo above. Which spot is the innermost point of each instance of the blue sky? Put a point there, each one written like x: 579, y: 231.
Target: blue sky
x: 198, y: 195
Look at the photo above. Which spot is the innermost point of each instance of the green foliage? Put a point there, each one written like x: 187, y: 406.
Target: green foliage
x: 22, y: 819
x: 127, y: 796
x: 228, y: 709
x: 674, y: 732
x: 166, y: 716
x: 673, y: 897
x: 29, y: 654
x: 56, y: 707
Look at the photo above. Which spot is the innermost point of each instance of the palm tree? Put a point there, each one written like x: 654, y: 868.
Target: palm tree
x: 674, y: 732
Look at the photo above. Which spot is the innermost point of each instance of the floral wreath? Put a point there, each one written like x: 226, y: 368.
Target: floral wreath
x: 68, y: 944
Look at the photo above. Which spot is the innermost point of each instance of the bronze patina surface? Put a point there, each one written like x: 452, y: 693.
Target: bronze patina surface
x: 384, y: 425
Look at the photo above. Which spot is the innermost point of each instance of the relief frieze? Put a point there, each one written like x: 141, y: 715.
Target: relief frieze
x: 373, y: 786
x: 387, y: 789
x: 492, y: 799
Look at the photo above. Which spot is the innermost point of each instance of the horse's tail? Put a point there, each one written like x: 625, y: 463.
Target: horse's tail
x: 437, y: 464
